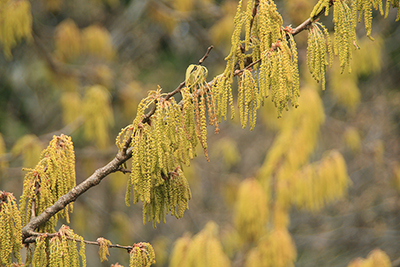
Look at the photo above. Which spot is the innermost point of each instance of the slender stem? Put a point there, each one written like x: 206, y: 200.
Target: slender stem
x: 146, y: 118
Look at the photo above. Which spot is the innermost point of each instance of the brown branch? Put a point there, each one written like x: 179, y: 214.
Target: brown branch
x: 75, y: 192
x: 146, y: 118
x: 32, y: 239
x: 256, y: 3
x: 303, y: 26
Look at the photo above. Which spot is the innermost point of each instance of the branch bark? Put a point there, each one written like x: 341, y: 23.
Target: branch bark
x: 75, y: 192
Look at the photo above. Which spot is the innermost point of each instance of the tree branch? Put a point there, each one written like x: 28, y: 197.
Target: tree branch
x: 146, y: 118
x: 75, y: 192
x: 34, y: 235
x: 113, y: 166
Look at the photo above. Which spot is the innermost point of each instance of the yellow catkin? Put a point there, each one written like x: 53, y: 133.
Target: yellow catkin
x: 345, y: 35
x: 16, y: 24
x: 318, y: 49
x: 274, y: 249
x: 67, y: 41
x: 251, y: 210
x: 98, y: 115
x: 204, y: 249
x: 141, y: 255
x: 60, y: 250
x: 319, y: 7
x: 159, y: 148
x: 103, y: 248
x: 320, y: 183
x: 10, y: 229
x: 97, y: 42
x: 55, y: 173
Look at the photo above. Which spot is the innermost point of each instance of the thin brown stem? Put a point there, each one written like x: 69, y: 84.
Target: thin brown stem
x: 146, y: 118
x: 32, y: 239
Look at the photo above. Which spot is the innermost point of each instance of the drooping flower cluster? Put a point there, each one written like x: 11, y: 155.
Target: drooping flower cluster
x: 52, y: 177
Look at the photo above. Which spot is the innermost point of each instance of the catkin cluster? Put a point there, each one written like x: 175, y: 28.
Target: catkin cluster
x: 251, y: 210
x: 10, y: 229
x: 376, y: 257
x: 16, y: 23
x: 103, y: 248
x: 199, y: 97
x: 142, y: 255
x: 52, y: 177
x: 204, y: 249
x: 344, y: 14
x: 276, y: 249
x: 59, y: 250
x: 159, y: 148
x: 320, y: 183
x: 265, y: 39
x: 279, y: 73
x: 318, y: 47
x: 248, y: 99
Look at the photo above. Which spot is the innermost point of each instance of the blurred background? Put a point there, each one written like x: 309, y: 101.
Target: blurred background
x: 89, y: 63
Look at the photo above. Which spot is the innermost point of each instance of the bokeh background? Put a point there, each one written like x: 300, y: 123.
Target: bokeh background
x: 89, y: 63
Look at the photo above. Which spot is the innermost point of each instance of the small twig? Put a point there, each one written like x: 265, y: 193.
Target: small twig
x: 206, y: 54
x: 35, y: 235
x: 123, y: 170
x: 256, y: 3
x: 146, y: 118
x: 303, y: 26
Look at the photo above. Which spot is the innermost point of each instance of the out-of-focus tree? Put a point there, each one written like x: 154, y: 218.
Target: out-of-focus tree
x: 317, y: 169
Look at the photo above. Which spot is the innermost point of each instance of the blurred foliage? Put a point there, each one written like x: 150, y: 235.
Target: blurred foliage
x: 86, y: 65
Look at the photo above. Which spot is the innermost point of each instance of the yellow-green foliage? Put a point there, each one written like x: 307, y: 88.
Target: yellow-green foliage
x: 10, y: 229
x: 198, y: 91
x: 369, y: 58
x: 396, y: 176
x: 279, y: 72
x: 376, y: 257
x: 394, y: 4
x: 15, y: 23
x: 352, y: 139
x: 96, y: 41
x: 204, y: 249
x: 67, y: 41
x: 344, y: 87
x: 53, y: 5
x: 59, y: 250
x: 98, y: 115
x: 248, y: 99
x: 30, y: 147
x: 319, y: 8
x: 103, y: 249
x: 366, y: 7
x: 318, y: 48
x: 142, y: 255
x: 227, y: 149
x: 276, y: 249
x: 160, y: 148
x: 3, y: 160
x: 251, y: 210
x: 265, y: 39
x: 320, y: 183
x: 71, y: 106
x: 296, y: 139
x: 52, y: 177
x: 179, y: 252
x: 345, y: 33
